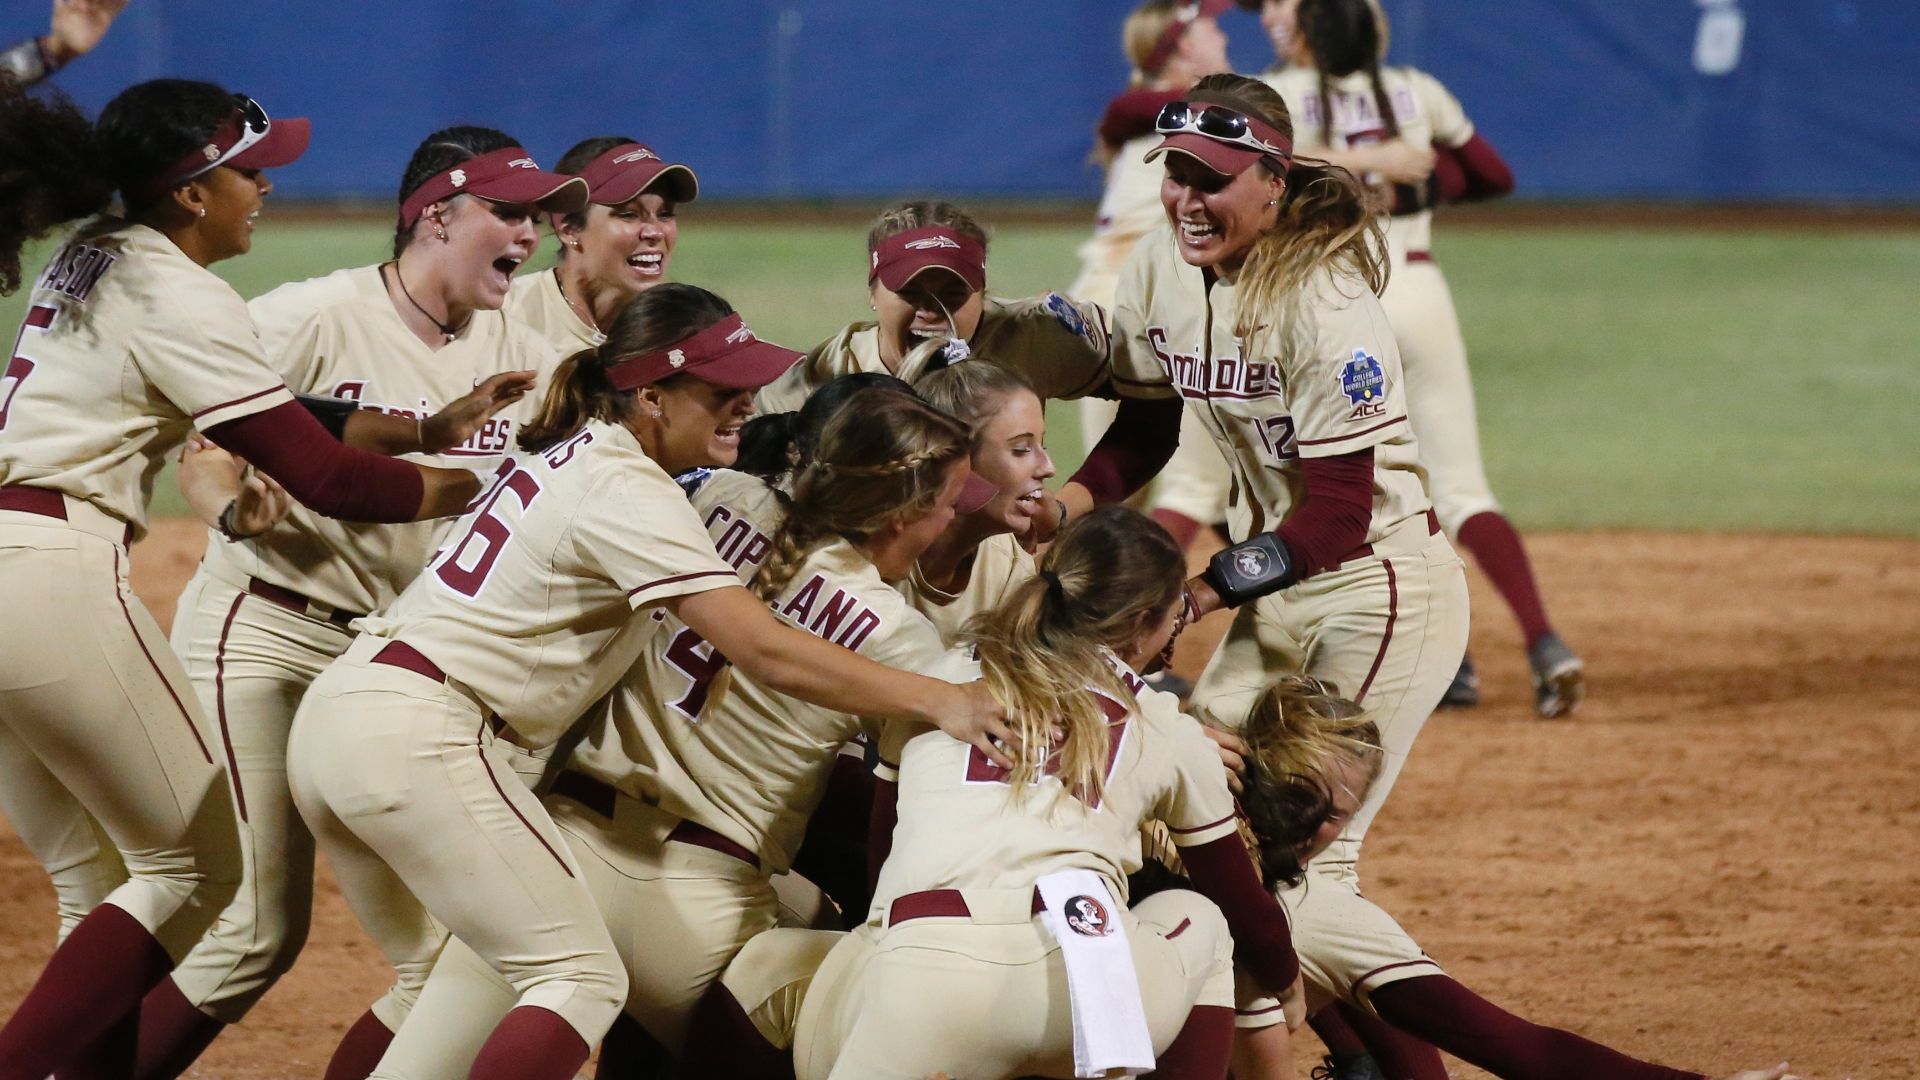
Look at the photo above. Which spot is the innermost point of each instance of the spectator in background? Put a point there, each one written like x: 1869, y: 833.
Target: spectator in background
x: 77, y: 26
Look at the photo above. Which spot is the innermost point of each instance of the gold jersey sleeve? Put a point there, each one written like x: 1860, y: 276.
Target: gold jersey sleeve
x: 961, y: 826
x: 539, y: 600
x: 1323, y: 380
x: 537, y: 302
x: 999, y: 565
x: 126, y: 347
x: 340, y: 336
x: 745, y: 761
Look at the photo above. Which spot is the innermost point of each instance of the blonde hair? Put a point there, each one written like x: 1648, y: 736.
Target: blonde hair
x: 1045, y: 646
x: 1297, y: 733
x: 971, y: 391
x: 1326, y: 222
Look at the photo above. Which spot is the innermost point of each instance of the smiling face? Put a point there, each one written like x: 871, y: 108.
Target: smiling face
x: 1011, y: 454
x: 486, y: 242
x: 918, y: 312
x: 626, y: 248
x: 699, y: 422
x: 1217, y: 219
x: 1280, y: 19
x: 232, y: 199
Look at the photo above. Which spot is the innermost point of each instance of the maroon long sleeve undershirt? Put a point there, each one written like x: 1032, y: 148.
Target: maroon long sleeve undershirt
x: 1136, y: 446
x: 1470, y: 172
x: 1331, y: 521
x: 1222, y: 871
x: 325, y: 475
x: 1462, y: 1023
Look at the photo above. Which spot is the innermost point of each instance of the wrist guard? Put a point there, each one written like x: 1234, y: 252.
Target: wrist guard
x: 1250, y: 570
x: 332, y: 412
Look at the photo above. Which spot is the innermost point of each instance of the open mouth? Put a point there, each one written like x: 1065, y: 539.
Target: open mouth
x: 1030, y: 503
x: 727, y: 436
x: 649, y: 263
x: 505, y: 266
x: 1197, y: 232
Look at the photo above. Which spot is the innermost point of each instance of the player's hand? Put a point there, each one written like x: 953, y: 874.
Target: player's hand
x: 1778, y: 1072
x: 1233, y: 754
x: 78, y: 25
x: 209, y: 477
x: 1293, y: 1004
x: 1401, y: 162
x: 461, y: 419
x: 971, y: 715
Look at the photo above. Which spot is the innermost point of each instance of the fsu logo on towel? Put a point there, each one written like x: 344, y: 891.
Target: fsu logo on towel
x: 1365, y: 385
x: 1088, y: 917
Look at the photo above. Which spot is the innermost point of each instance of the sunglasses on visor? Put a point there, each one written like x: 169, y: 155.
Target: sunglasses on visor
x: 1215, y: 122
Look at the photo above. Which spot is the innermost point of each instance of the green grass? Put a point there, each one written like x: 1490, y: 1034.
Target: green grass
x: 1626, y: 379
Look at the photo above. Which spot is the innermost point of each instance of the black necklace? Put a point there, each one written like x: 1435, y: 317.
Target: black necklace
x: 447, y: 330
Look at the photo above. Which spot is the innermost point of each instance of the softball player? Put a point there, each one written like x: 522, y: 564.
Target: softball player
x: 130, y: 343
x: 927, y: 278
x: 694, y: 784
x: 545, y: 594
x: 1385, y: 124
x: 1301, y: 737
x: 613, y: 249
x: 997, y: 921
x: 1257, y: 307
x: 265, y: 615
x: 970, y: 566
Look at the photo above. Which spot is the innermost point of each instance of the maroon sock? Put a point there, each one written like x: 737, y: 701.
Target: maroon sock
x: 1399, y: 1055
x: 531, y: 1043
x: 173, y: 1034
x: 1497, y: 548
x: 98, y: 975
x: 1184, y: 529
x: 111, y: 1056
x: 722, y: 1041
x: 1202, y: 1049
x: 360, y: 1049
x: 1342, y: 1041
x: 1473, y: 1029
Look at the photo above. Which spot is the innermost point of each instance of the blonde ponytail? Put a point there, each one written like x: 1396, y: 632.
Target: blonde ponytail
x: 1297, y: 733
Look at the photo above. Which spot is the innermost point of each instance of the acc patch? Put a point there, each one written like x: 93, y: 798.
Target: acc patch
x: 1067, y: 315
x: 1088, y: 917
x: 1365, y: 384
x: 692, y: 480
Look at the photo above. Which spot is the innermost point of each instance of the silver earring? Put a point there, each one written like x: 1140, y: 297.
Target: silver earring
x: 1273, y: 202
x: 203, y: 211
x: 439, y: 233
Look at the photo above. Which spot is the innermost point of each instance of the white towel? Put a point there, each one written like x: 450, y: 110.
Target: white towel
x: 1110, y: 1036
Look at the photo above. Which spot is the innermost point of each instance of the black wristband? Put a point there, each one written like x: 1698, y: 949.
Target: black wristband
x: 1250, y: 570
x: 332, y: 412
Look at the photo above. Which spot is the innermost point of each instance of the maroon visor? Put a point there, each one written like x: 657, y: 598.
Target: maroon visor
x: 246, y: 139
x: 903, y: 256
x: 1221, y: 133
x: 628, y: 170
x: 725, y: 354
x: 1183, y: 17
x: 503, y: 176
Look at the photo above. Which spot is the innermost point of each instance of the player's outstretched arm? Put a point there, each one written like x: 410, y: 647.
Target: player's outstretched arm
x: 459, y: 421
x: 231, y: 498
x: 797, y: 664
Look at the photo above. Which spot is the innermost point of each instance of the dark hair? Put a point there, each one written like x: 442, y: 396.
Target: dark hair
x: 766, y: 446
x: 439, y: 152
x: 578, y: 390
x: 576, y: 160
x: 55, y: 167
x: 1344, y: 37
x: 824, y: 402
x: 1296, y: 733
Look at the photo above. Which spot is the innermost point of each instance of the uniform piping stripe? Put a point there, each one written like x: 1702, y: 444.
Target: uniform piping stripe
x: 39, y: 316
x: 220, y: 704
x: 681, y: 578
x: 1258, y: 1012
x: 237, y: 401
x: 1369, y: 976
x: 1201, y: 828
x: 158, y: 672
x: 1353, y: 434
x: 480, y: 748
x: 1178, y: 930
x: 1386, y: 639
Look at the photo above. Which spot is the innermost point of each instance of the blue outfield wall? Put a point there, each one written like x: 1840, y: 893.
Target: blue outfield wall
x: 1780, y: 100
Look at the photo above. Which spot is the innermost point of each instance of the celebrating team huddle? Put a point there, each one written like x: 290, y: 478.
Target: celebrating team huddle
x: 727, y: 709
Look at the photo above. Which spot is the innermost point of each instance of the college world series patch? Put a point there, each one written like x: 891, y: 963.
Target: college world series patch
x: 1365, y: 385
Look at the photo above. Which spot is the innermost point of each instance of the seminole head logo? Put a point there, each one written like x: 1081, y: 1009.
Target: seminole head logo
x: 1251, y: 562
x: 1088, y: 917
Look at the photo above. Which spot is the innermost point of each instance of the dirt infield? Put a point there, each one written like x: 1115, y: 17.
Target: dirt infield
x: 1716, y: 864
